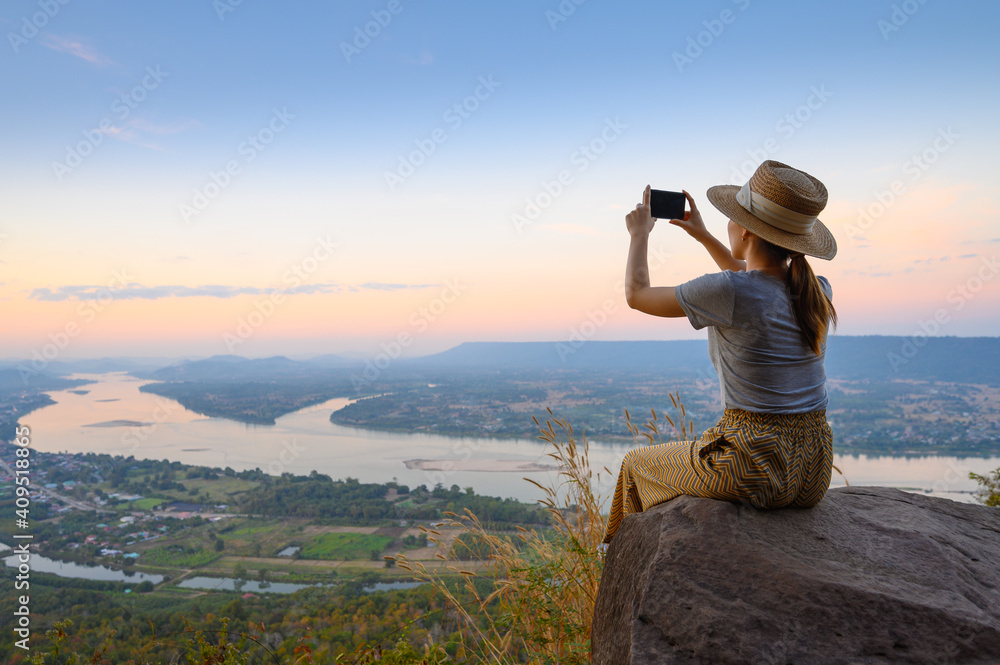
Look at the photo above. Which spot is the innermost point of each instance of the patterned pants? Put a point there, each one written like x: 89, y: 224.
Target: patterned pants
x: 765, y: 459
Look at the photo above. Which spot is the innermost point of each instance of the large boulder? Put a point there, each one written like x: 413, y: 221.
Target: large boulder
x: 870, y: 575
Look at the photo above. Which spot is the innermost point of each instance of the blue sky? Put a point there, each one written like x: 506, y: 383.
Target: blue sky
x: 872, y: 83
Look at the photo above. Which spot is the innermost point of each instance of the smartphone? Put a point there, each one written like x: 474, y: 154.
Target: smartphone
x: 666, y: 205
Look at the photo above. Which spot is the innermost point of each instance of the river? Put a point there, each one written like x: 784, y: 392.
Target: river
x: 129, y: 422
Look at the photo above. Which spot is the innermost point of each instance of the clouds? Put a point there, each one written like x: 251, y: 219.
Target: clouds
x: 75, y: 48
x: 137, y: 131
x: 139, y: 292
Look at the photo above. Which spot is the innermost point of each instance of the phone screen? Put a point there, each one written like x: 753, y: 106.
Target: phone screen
x: 666, y: 205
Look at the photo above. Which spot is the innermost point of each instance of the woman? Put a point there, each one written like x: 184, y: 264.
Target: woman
x: 767, y: 316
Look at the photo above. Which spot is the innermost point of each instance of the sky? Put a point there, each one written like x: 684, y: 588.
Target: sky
x: 400, y: 176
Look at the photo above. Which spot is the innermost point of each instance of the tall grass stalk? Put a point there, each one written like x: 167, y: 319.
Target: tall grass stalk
x: 529, y: 596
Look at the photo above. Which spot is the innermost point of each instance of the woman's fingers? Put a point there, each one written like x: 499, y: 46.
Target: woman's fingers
x: 639, y: 218
x: 690, y: 199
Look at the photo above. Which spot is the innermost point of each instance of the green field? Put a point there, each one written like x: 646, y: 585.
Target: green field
x: 175, y: 556
x: 267, y: 535
x: 221, y: 490
x: 346, y: 546
x: 146, y: 503
x: 257, y: 528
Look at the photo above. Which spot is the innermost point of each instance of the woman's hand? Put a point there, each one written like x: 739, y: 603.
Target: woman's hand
x: 695, y: 226
x: 638, y: 222
x: 692, y: 222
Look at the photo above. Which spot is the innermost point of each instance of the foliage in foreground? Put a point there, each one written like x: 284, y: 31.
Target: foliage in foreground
x: 221, y: 650
x: 989, y: 488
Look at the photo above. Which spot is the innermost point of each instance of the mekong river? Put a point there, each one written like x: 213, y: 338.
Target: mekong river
x: 306, y: 440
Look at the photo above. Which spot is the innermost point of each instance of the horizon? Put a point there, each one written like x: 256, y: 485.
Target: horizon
x: 360, y: 357
x: 189, y: 181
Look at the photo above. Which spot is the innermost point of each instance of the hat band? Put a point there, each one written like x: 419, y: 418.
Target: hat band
x: 774, y: 214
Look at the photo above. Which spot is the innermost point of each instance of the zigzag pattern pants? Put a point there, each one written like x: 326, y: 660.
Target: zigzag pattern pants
x: 768, y: 460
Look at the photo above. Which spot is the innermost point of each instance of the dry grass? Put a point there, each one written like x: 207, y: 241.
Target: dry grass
x: 532, y: 598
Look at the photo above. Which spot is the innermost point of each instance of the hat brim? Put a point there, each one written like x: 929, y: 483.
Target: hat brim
x: 819, y: 242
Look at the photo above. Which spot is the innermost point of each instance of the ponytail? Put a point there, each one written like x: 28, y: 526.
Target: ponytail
x: 813, y: 310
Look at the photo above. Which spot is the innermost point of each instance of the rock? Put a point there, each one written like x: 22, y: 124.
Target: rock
x: 870, y: 575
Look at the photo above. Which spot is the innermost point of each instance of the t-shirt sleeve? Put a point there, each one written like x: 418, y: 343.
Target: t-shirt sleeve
x: 708, y: 300
x: 825, y: 285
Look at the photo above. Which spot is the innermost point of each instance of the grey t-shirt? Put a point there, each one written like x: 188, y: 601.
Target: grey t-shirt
x: 754, y: 341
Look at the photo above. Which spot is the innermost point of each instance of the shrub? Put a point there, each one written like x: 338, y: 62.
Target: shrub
x: 989, y: 488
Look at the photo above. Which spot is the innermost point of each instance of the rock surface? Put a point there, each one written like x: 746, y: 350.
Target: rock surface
x: 870, y: 575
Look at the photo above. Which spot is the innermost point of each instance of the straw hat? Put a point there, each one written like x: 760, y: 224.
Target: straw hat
x: 780, y: 204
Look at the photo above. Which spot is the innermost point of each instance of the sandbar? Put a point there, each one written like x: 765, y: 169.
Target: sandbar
x: 119, y: 423
x: 477, y: 465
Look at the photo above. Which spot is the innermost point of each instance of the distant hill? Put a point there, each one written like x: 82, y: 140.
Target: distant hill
x: 685, y: 356
x: 333, y: 360
x: 231, y: 368
x: 877, y: 358
x: 954, y: 359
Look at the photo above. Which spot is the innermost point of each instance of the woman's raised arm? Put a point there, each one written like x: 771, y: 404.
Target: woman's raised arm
x: 659, y: 300
x: 695, y: 226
